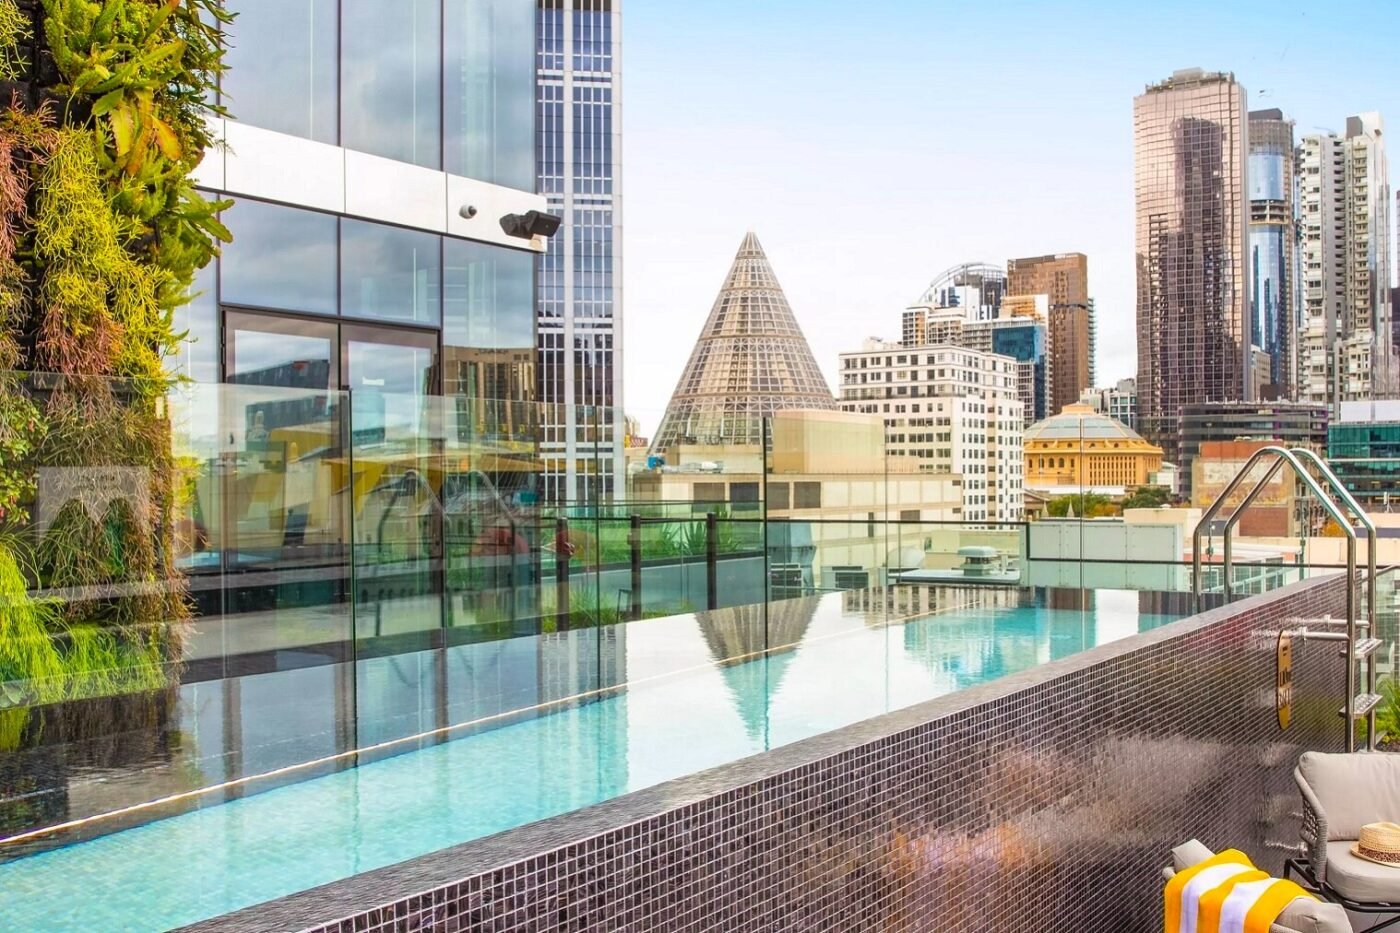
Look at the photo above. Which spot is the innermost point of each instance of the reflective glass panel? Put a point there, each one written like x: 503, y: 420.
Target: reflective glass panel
x: 390, y: 274
x: 489, y: 83
x: 280, y: 257
x: 391, y: 78
x: 270, y: 350
x: 488, y: 321
x: 281, y: 59
x: 389, y: 380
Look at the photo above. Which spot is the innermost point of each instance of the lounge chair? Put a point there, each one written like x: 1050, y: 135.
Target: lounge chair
x: 1302, y: 916
x: 1342, y: 793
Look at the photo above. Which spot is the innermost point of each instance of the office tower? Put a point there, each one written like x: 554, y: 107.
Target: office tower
x: 1346, y: 351
x: 749, y: 361
x: 1363, y: 447
x: 954, y: 409
x: 580, y: 278
x: 1064, y: 278
x: 1271, y: 246
x: 1192, y: 220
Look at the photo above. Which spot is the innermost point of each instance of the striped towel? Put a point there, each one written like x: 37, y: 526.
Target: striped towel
x: 1226, y: 894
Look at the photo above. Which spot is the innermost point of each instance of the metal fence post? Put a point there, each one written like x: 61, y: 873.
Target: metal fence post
x: 634, y: 542
x: 712, y: 560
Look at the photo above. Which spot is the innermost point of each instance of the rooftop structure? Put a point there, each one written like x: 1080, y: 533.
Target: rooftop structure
x: 750, y: 361
x: 976, y: 287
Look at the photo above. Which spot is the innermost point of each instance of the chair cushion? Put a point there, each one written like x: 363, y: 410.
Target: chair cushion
x: 1188, y: 854
x: 1306, y: 915
x: 1354, y: 789
x: 1359, y: 879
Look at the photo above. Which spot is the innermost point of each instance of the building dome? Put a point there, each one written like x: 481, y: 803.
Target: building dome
x: 1080, y: 421
x: 1081, y: 447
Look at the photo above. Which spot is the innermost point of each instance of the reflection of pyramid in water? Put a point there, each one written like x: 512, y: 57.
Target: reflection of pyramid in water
x: 750, y: 361
x: 737, y: 633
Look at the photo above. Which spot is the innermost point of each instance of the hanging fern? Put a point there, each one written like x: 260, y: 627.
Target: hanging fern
x: 14, y: 35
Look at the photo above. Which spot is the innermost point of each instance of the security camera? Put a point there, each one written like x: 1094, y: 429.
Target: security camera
x: 530, y: 224
x: 468, y: 211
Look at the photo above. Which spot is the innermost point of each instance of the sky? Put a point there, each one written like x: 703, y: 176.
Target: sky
x: 872, y: 145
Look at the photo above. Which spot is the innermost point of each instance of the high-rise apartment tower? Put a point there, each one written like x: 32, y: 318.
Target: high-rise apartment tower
x: 1192, y: 230
x: 1346, y: 350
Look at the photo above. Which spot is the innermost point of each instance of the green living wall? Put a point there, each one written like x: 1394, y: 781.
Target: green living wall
x: 103, y: 110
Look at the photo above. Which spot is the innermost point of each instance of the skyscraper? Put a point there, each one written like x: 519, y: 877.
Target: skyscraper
x: 1346, y: 351
x: 579, y: 289
x: 1192, y: 220
x: 1064, y: 278
x: 750, y: 360
x: 1272, y: 312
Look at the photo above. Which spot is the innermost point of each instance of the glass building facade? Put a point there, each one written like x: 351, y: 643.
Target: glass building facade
x: 1366, y: 457
x: 578, y: 76
x: 1026, y: 344
x: 442, y: 84
x: 1189, y: 135
x: 1273, y: 309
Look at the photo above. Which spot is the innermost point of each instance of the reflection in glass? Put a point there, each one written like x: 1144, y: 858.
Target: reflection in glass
x: 390, y: 79
x: 389, y: 385
x: 197, y: 357
x: 280, y: 257
x: 487, y: 322
x: 282, y: 352
x: 281, y: 58
x: 489, y: 81
x: 390, y: 274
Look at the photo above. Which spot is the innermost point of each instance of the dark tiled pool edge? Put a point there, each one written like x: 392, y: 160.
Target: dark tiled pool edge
x: 877, y: 824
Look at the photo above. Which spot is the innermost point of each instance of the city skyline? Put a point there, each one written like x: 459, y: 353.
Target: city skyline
x: 859, y: 243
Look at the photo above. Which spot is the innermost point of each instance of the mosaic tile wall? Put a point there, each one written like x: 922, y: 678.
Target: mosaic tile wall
x: 1046, y: 801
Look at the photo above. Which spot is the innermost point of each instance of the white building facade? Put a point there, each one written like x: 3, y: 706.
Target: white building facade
x: 1345, y: 350
x: 954, y: 409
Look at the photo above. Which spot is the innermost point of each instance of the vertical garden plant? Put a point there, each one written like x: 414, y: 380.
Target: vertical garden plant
x: 103, y: 119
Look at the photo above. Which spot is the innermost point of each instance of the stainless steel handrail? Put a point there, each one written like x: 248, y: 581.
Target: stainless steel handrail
x: 1362, y: 518
x: 1283, y: 456
x: 1371, y: 535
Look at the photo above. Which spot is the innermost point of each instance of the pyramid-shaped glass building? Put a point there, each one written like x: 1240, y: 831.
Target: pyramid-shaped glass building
x: 750, y: 361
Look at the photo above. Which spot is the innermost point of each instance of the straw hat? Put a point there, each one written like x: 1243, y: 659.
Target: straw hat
x: 1379, y: 843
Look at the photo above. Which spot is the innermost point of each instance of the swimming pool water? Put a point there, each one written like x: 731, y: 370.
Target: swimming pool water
x: 221, y: 858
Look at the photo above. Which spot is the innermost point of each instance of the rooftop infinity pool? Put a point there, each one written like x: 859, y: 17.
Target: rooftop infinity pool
x: 680, y: 712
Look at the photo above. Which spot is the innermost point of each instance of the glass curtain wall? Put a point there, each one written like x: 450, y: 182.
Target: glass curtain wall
x: 444, y: 84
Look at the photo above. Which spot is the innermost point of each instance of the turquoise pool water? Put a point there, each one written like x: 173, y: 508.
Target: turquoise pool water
x: 219, y: 859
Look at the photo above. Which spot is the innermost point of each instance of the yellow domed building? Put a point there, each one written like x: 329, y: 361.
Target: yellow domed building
x: 1083, y: 449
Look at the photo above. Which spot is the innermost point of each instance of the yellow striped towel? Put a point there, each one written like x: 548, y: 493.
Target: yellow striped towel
x: 1226, y: 894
